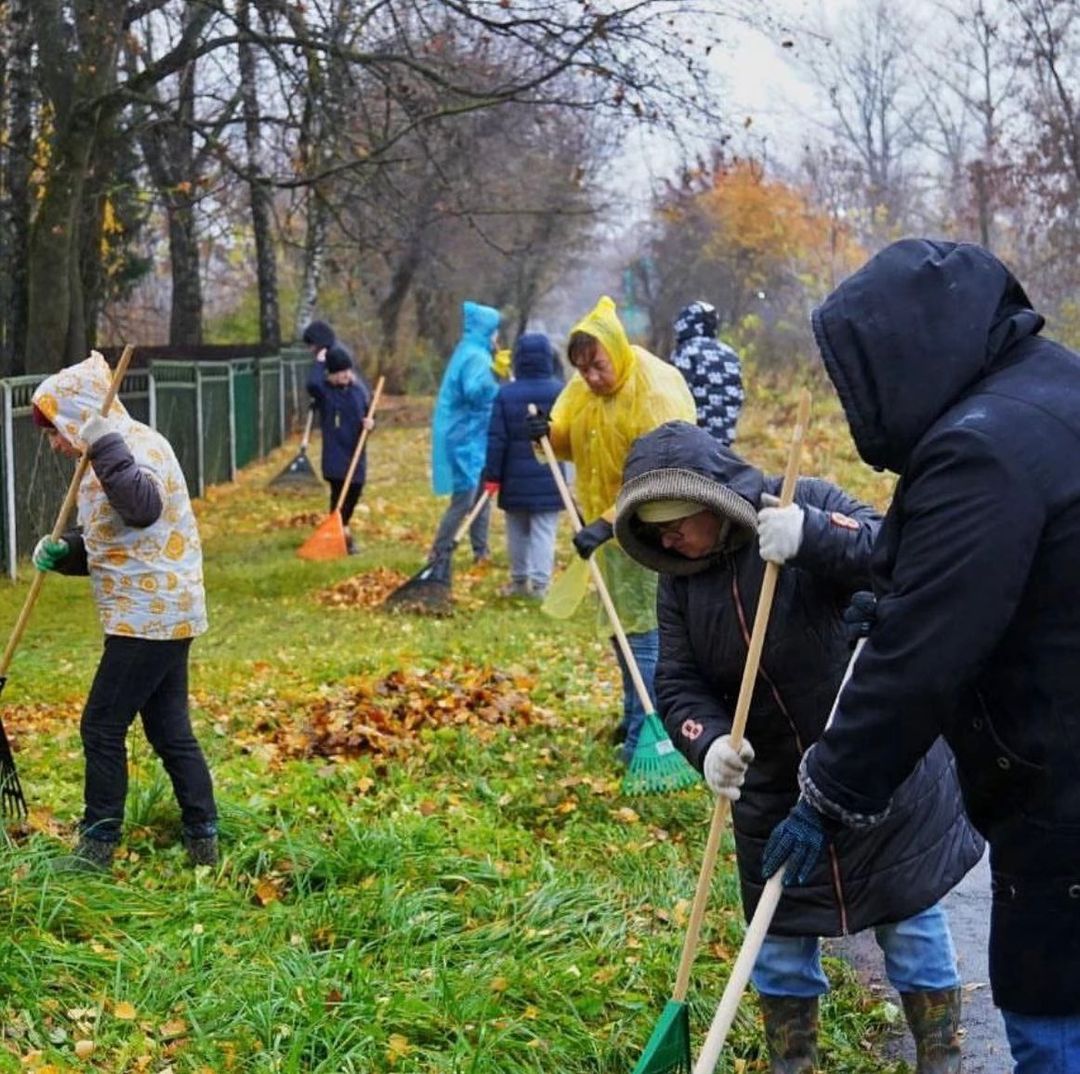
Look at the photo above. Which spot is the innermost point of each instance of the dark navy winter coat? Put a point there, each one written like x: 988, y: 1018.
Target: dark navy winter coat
x: 935, y: 353
x: 867, y: 878
x: 525, y: 483
x: 341, y: 418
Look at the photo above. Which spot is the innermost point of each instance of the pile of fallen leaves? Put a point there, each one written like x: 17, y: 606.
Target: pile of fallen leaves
x: 386, y: 716
x: 303, y: 521
x: 366, y: 590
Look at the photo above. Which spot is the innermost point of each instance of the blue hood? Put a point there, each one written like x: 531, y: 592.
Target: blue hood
x: 534, y: 357
x: 911, y: 332
x: 478, y: 322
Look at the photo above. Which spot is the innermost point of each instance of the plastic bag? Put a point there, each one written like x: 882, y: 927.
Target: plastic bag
x: 567, y: 591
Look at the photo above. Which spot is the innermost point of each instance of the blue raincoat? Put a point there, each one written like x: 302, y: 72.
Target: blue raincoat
x: 463, y: 407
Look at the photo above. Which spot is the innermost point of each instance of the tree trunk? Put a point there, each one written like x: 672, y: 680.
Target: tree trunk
x: 168, y: 147
x: 391, y: 306
x: 54, y: 309
x: 314, y: 257
x: 20, y: 97
x: 266, y: 267
x: 76, y: 70
x: 185, y: 317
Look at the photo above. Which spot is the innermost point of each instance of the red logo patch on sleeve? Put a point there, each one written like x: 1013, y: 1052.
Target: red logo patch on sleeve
x: 843, y: 521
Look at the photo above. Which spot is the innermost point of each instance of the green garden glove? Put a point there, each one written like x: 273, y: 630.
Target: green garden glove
x: 48, y: 553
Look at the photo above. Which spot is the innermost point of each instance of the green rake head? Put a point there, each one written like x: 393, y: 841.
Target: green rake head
x: 668, y: 1050
x: 657, y: 766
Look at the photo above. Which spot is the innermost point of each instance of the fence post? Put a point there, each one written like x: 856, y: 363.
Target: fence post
x: 9, y: 479
x: 200, y: 450
x: 281, y: 396
x: 232, y: 422
x: 151, y: 397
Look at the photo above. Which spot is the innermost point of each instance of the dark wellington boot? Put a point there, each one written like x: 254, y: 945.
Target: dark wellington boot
x: 934, y: 1021
x: 89, y: 856
x: 202, y: 850
x: 791, y: 1024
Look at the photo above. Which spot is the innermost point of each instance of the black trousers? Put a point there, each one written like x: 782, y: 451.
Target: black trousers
x: 138, y: 676
x: 351, y: 498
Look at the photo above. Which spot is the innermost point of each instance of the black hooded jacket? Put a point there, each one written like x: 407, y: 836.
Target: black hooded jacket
x: 934, y: 350
x: 869, y: 878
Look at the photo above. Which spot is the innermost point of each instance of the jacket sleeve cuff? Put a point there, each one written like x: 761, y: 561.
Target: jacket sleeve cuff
x: 830, y: 801
x: 75, y: 562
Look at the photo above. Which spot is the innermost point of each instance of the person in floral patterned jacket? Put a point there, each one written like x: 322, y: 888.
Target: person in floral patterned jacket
x: 137, y: 540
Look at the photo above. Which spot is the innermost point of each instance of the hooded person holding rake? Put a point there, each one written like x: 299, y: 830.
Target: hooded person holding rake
x: 137, y: 540
x: 938, y: 358
x: 617, y: 393
x: 706, y: 520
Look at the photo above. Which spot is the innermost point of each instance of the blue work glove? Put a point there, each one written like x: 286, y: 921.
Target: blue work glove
x: 537, y: 426
x: 799, y: 840
x: 859, y: 616
x: 589, y: 538
x: 48, y: 553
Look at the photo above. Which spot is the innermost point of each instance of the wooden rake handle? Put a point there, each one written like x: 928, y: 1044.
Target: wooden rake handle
x: 355, y: 460
x: 307, y: 428
x: 597, y: 577
x: 742, y: 710
x: 62, y: 518
x: 471, y: 517
x: 755, y: 935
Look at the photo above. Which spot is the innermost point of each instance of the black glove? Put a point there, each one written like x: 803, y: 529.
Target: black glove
x: 589, y: 538
x: 537, y: 426
x: 859, y: 616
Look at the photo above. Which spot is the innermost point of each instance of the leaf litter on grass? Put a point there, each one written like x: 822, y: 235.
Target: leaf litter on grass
x: 386, y: 716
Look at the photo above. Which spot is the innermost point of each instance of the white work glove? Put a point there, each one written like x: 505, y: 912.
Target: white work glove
x: 94, y: 428
x: 779, y: 529
x: 724, y: 769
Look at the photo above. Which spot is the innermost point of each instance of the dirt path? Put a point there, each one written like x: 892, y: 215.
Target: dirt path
x: 985, y: 1048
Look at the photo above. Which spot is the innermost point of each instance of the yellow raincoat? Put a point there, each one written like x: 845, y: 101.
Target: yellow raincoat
x: 595, y: 433
x: 147, y: 583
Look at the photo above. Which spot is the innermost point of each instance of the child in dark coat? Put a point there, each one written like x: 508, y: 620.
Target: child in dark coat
x: 342, y: 398
x: 524, y: 485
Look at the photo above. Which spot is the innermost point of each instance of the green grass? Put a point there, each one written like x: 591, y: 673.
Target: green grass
x: 484, y: 901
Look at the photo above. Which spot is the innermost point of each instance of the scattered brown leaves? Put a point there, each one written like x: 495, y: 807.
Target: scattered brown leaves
x: 305, y: 520
x: 366, y: 590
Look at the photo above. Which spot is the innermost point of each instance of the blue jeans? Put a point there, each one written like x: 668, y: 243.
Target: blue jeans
x: 461, y: 503
x: 919, y: 957
x: 530, y: 543
x: 646, y: 650
x: 1042, y: 1045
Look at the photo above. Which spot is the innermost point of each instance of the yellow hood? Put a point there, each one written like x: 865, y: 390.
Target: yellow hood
x: 603, y: 324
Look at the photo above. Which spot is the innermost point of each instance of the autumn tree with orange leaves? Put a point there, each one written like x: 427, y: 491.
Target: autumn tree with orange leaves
x: 754, y: 246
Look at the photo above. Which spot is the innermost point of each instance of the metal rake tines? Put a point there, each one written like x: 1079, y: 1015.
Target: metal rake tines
x: 12, y: 799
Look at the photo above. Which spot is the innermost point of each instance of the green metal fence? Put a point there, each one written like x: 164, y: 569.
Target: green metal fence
x: 218, y: 417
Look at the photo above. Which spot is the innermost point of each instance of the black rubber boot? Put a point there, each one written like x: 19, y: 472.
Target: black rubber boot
x: 202, y: 850
x: 791, y: 1024
x: 89, y: 856
x: 934, y: 1021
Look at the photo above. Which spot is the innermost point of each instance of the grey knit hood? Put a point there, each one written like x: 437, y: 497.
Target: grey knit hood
x: 679, y: 461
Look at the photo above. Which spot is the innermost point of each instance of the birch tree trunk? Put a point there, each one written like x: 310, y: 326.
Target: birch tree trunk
x: 261, y: 198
